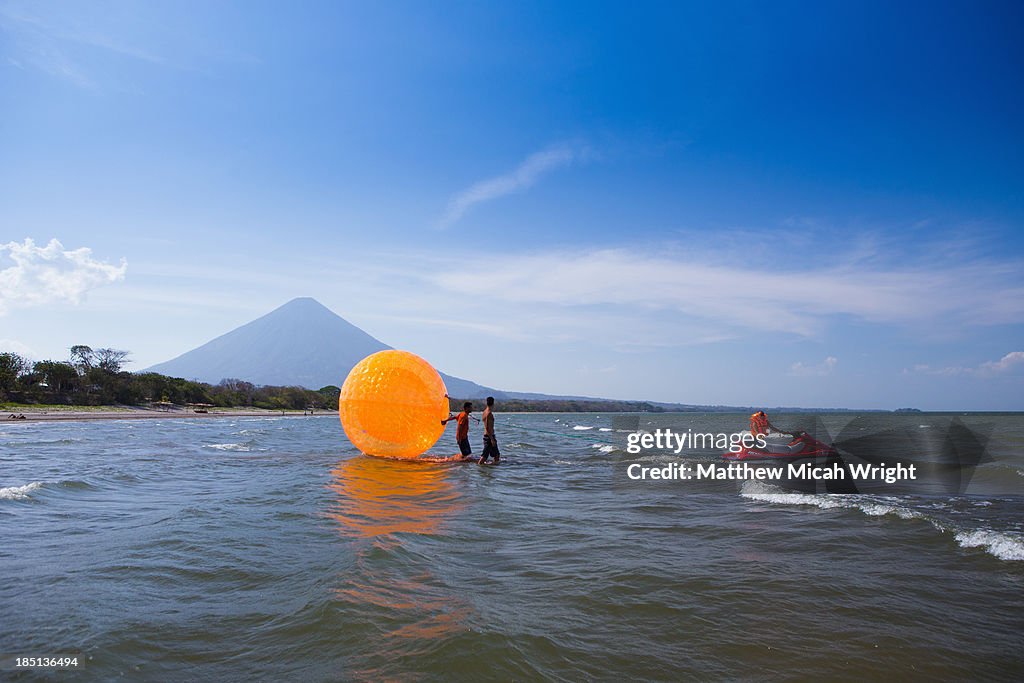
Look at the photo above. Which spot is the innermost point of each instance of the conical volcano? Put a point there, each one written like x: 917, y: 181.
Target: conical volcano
x: 302, y: 343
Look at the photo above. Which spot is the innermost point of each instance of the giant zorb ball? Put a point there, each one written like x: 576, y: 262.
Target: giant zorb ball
x: 392, y: 404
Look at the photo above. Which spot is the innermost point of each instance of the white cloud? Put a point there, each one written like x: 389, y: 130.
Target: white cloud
x: 50, y: 274
x: 814, y: 370
x: 36, y: 44
x: 993, y: 368
x: 1005, y: 364
x: 794, y: 297
x: 85, y: 47
x: 606, y: 370
x: 520, y: 178
x: 627, y: 300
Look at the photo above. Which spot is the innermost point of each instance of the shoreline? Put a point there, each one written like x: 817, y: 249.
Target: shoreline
x: 85, y: 413
x: 59, y: 415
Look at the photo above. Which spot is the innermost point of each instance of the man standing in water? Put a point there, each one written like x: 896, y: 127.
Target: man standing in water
x: 490, y: 441
x: 462, y: 431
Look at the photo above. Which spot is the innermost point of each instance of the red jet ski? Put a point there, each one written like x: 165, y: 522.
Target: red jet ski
x: 803, y: 446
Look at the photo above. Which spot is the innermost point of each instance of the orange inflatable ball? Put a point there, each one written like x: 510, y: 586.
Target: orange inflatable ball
x: 392, y: 404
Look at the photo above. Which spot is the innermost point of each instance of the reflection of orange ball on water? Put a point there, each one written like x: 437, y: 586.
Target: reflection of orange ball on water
x: 392, y: 404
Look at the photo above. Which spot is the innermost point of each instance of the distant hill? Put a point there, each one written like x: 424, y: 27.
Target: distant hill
x: 302, y: 343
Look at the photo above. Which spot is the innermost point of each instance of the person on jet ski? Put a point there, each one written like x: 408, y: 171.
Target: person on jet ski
x: 759, y: 424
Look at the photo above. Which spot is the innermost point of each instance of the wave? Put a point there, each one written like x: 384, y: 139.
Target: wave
x: 45, y: 442
x: 255, y: 431
x: 605, y: 429
x: 756, y: 490
x: 604, y: 448
x: 1004, y: 546
x: 245, y: 447
x: 19, y: 492
x: 1001, y: 545
x: 581, y: 428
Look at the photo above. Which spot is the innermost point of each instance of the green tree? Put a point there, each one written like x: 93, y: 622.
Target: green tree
x: 82, y: 357
x: 328, y: 396
x: 12, y: 367
x: 110, y: 360
x: 59, y: 376
x: 234, y: 392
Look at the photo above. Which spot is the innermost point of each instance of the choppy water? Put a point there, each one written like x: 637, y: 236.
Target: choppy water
x: 242, y: 549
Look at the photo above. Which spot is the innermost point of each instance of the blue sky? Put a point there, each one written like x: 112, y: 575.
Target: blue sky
x: 814, y: 204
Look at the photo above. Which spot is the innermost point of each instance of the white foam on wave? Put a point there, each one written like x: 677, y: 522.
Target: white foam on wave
x: 603, y: 447
x: 19, y: 492
x: 581, y: 428
x: 605, y: 429
x: 755, y: 490
x: 1001, y: 545
x: 879, y: 509
x: 1004, y: 546
x: 228, y: 446
x: 766, y: 493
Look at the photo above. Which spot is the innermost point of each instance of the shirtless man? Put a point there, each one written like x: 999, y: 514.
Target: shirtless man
x: 490, y: 441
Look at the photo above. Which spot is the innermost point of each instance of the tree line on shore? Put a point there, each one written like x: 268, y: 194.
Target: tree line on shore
x: 94, y: 377
x: 558, y: 405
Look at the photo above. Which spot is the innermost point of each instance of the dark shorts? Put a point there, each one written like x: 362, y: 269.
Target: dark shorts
x: 490, y: 449
x: 465, y: 447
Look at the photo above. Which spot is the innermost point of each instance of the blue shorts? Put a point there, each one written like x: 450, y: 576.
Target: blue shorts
x: 465, y: 447
x: 490, y: 449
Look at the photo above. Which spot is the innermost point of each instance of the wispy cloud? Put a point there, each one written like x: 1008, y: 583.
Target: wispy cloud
x: 51, y: 274
x: 1008, y: 364
x: 75, y: 43
x: 29, y: 44
x: 1011, y: 361
x: 821, y: 369
x: 522, y: 177
x: 606, y: 370
x: 792, y: 298
x: 627, y: 300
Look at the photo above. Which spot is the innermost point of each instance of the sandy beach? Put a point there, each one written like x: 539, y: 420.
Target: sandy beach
x: 53, y: 414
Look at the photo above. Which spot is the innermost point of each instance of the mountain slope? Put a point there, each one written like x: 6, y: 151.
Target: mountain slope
x: 300, y: 343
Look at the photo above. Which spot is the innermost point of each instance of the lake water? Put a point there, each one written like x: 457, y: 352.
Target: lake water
x: 267, y: 548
